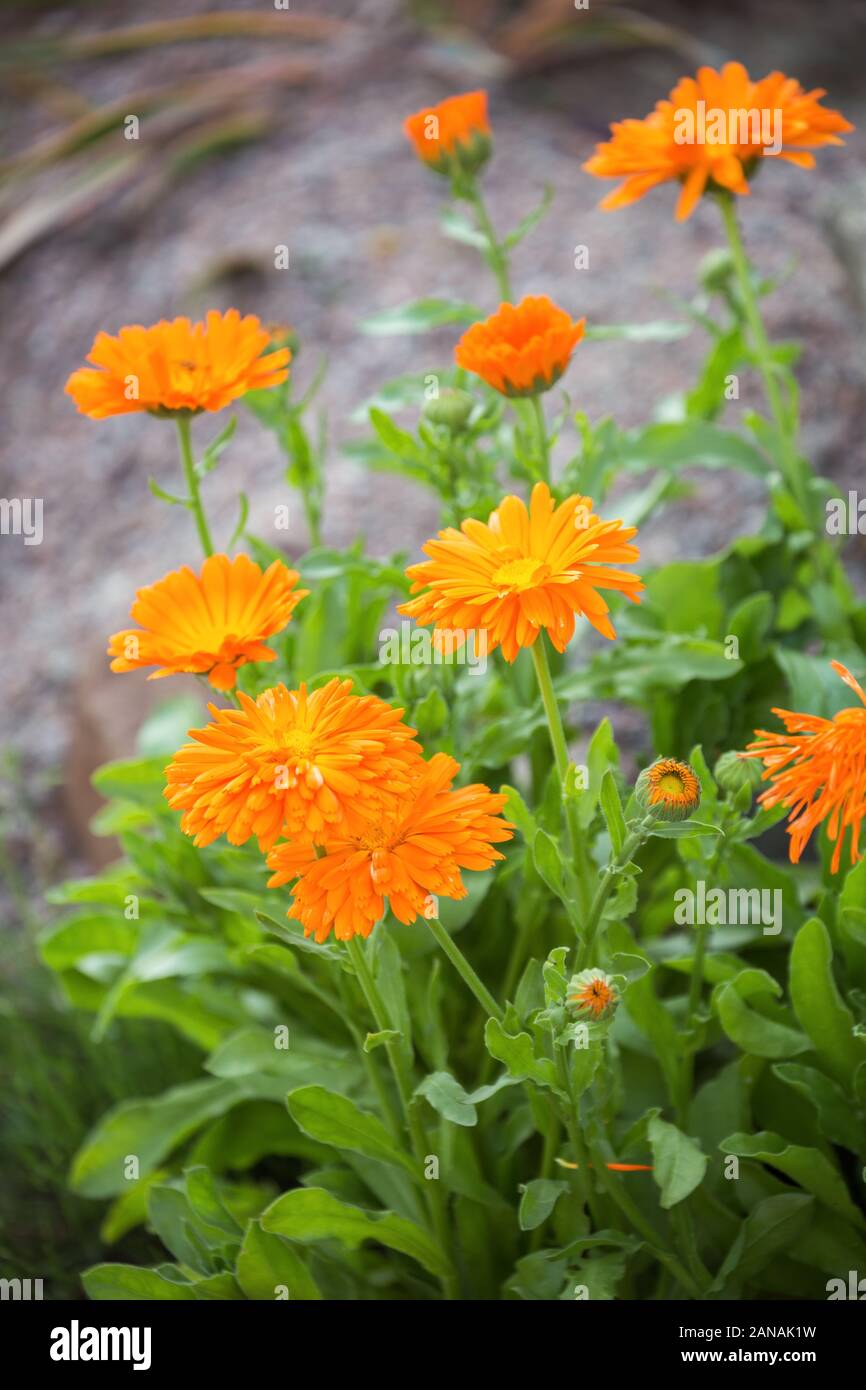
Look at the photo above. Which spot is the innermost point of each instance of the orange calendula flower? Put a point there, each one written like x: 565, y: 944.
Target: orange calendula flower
x: 453, y: 137
x: 817, y: 771
x: 669, y: 788
x: 210, y: 623
x: 412, y: 852
x: 523, y: 348
x: 592, y: 992
x: 295, y: 764
x: 177, y: 367
x: 711, y: 133
x: 524, y: 570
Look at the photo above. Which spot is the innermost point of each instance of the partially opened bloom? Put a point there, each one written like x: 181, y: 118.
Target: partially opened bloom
x: 817, y: 771
x: 209, y: 623
x: 295, y: 764
x: 669, y: 789
x: 177, y: 367
x: 453, y: 137
x: 523, y: 348
x: 522, y: 571
x: 711, y: 133
x: 412, y: 852
x: 592, y: 993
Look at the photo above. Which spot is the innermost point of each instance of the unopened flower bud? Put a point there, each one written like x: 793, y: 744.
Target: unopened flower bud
x: 735, y: 773
x: 668, y: 790
x: 451, y: 409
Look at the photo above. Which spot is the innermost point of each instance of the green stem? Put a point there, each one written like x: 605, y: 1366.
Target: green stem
x: 541, y: 432
x: 583, y: 1176
x: 603, y: 892
x: 189, y: 473
x: 791, y: 464
x: 614, y: 1187
x: 465, y: 970
x: 560, y: 756
x: 403, y: 1078
x: 497, y: 255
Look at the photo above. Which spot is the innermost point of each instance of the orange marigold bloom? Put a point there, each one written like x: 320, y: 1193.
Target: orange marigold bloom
x: 292, y: 763
x: 523, y: 348
x: 453, y: 135
x: 177, y: 367
x: 522, y: 571
x: 208, y: 624
x: 414, y: 851
x: 817, y: 771
x: 711, y: 132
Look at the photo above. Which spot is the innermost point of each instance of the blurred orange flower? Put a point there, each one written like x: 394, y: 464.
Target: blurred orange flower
x: 524, y: 570
x: 710, y: 134
x: 416, y: 850
x: 295, y: 764
x: 177, y: 367
x: 817, y: 771
x: 521, y: 349
x: 453, y: 134
x: 208, y: 624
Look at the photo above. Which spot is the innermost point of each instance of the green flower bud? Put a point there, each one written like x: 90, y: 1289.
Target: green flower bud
x: 669, y: 790
x: 451, y: 409
x: 735, y: 774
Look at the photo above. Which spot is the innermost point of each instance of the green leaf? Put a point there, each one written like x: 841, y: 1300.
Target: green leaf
x: 548, y: 862
x: 335, y: 1120
x: 374, y: 1040
x: 683, y: 829
x: 312, y: 1214
x: 611, y: 807
x: 148, y: 1130
x: 838, y: 1122
x: 530, y: 222
x: 818, y: 1004
x: 772, y: 1228
x: 128, y: 1283
x: 656, y: 331
x: 162, y: 496
x: 539, y: 1198
x: 447, y: 1096
x: 807, y: 1166
x: 752, y: 1031
x: 679, y: 1164
x: 457, y: 228
x: 212, y: 452
x: 76, y: 938
x: 267, y: 1263
x: 517, y: 1052
x: 420, y: 316
x: 134, y: 779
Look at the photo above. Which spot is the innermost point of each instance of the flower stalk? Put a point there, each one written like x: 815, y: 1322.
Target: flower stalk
x: 194, y: 501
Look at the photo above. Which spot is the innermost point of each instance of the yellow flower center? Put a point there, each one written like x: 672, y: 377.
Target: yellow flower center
x: 296, y: 746
x: 377, y: 837
x: 671, y: 784
x: 525, y: 573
